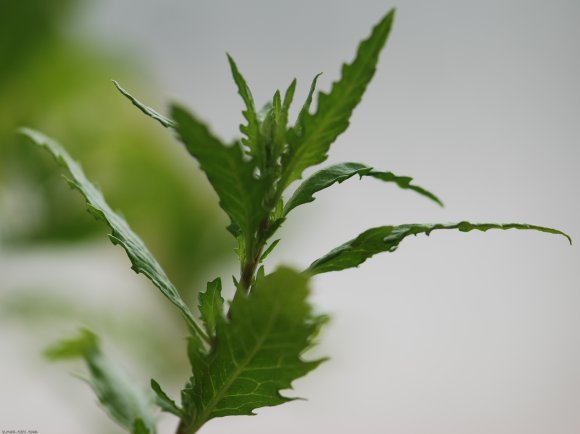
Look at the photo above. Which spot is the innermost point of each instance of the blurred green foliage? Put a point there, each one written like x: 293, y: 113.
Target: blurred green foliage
x: 60, y: 83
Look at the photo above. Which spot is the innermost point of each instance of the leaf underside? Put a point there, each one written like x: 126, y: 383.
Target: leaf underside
x: 163, y: 120
x: 387, y: 239
x: 257, y: 350
x: 141, y: 259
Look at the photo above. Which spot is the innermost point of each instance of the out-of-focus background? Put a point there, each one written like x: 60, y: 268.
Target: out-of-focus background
x: 459, y: 333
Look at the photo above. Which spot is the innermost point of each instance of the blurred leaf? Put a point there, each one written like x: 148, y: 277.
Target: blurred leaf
x: 127, y: 405
x: 128, y: 158
x: 139, y: 427
x: 387, y: 238
x: 141, y: 259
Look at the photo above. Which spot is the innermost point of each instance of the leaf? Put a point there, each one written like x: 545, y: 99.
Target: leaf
x: 251, y: 129
x: 282, y: 119
x: 141, y: 259
x: 310, y: 143
x: 288, y: 98
x: 271, y: 247
x: 257, y: 351
x: 165, y: 402
x: 339, y: 173
x: 232, y: 177
x: 305, y: 110
x: 211, y: 305
x: 125, y: 403
x: 387, y: 238
x: 166, y: 122
x: 139, y: 427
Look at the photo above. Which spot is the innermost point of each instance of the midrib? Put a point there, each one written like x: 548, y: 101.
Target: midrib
x: 222, y: 391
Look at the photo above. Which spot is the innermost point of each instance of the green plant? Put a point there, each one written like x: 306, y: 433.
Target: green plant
x: 244, y: 355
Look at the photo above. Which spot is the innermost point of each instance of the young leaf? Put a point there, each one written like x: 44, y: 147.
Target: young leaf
x: 165, y: 402
x: 340, y: 173
x: 211, y: 305
x: 269, y: 249
x: 387, y: 238
x: 116, y: 392
x: 165, y: 121
x: 141, y: 259
x: 282, y: 119
x: 309, y: 146
x: 258, y: 349
x: 288, y: 98
x: 305, y: 110
x: 232, y: 177
x: 251, y: 130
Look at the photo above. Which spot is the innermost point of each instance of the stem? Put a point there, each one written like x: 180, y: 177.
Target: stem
x: 247, y: 273
x: 250, y: 265
x: 181, y: 428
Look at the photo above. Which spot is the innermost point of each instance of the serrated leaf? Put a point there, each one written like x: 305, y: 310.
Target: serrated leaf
x: 257, y: 350
x: 125, y: 403
x: 282, y: 120
x: 164, y: 401
x: 165, y: 121
x: 288, y: 98
x: 211, y: 305
x: 232, y: 177
x: 339, y: 173
x: 305, y: 110
x: 141, y: 259
x: 251, y: 130
x: 387, y: 238
x: 310, y: 143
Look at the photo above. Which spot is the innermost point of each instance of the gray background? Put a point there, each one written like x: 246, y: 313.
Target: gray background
x: 480, y: 102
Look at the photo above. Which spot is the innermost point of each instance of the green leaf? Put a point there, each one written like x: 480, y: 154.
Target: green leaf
x: 282, y: 119
x: 125, y: 403
x: 232, y: 177
x: 310, y: 143
x: 141, y: 259
x: 211, y: 305
x: 271, y: 247
x: 251, y: 129
x: 257, y: 351
x: 139, y: 427
x: 387, y: 238
x: 305, y: 110
x: 340, y: 173
x: 288, y: 98
x: 165, y: 402
x: 165, y: 121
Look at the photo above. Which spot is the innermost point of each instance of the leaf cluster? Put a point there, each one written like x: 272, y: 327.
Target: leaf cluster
x: 244, y: 354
